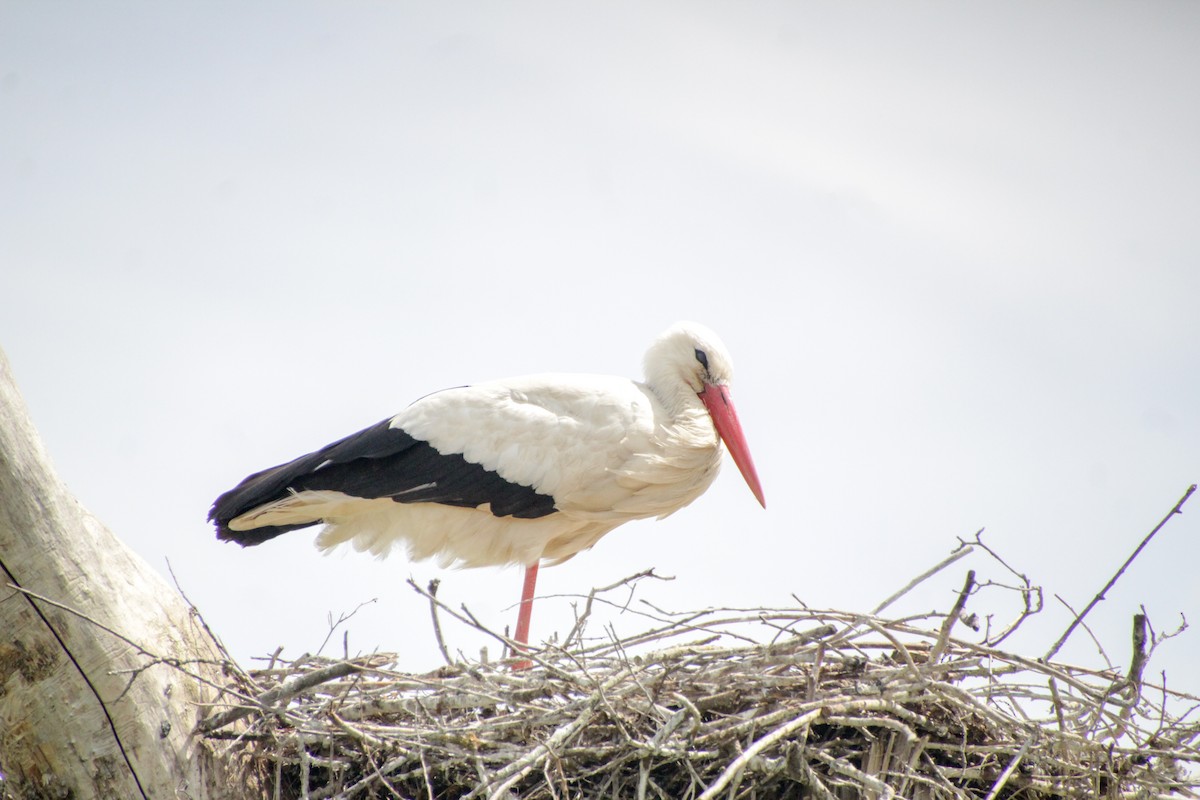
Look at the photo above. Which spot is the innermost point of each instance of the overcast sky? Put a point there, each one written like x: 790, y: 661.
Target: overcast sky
x: 954, y: 250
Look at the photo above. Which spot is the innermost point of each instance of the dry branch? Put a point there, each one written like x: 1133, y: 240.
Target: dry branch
x: 728, y: 703
x: 1178, y: 509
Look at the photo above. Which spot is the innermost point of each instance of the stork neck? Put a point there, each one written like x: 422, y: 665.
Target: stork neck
x: 679, y: 402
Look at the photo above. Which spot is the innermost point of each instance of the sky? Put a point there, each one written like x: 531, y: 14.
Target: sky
x: 953, y: 249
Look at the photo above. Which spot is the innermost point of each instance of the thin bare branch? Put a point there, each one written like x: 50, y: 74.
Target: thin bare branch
x: 437, y: 623
x: 955, y: 612
x: 1178, y: 509
x: 960, y: 552
x: 342, y: 619
x: 281, y: 693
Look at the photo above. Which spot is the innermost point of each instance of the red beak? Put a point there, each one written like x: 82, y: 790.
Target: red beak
x: 720, y: 408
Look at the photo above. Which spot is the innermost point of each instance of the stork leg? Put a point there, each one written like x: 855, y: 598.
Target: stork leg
x: 526, y: 611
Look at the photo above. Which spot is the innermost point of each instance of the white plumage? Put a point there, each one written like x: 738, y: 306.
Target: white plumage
x: 521, y: 470
x: 601, y: 447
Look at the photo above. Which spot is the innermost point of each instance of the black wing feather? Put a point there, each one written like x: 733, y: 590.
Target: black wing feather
x: 379, y: 461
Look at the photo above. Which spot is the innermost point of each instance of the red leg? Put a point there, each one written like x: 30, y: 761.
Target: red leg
x: 522, y: 635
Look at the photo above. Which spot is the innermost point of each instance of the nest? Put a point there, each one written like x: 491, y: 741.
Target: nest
x: 751, y: 703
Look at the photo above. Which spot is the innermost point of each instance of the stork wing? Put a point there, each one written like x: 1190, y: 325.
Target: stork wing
x: 379, y: 461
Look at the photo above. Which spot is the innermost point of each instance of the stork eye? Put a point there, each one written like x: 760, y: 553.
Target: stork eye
x: 702, y: 357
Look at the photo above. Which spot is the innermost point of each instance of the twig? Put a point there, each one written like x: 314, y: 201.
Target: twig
x: 978, y: 542
x: 800, y: 768
x: 1156, y: 638
x: 465, y: 616
x: 229, y: 664
x: 738, y: 764
x: 342, y: 618
x: 1178, y: 509
x: 963, y: 550
x: 1031, y: 596
x: 1088, y: 631
x: 1012, y: 766
x: 944, y: 634
x: 870, y: 782
x: 437, y: 624
x: 518, y: 769
x: 1056, y: 699
x: 581, y: 619
x: 1137, y: 663
x: 154, y: 658
x: 279, y: 693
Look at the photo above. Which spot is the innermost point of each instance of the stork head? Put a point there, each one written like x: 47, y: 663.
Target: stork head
x: 688, y: 358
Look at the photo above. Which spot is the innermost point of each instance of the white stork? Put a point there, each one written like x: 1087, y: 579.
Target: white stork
x: 514, y: 471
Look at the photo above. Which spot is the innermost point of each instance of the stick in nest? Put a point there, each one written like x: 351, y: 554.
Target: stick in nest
x: 1178, y: 509
x: 944, y: 634
x: 1032, y: 599
x: 717, y: 704
x: 962, y: 550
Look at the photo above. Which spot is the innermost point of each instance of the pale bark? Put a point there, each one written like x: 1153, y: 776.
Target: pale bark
x: 86, y: 709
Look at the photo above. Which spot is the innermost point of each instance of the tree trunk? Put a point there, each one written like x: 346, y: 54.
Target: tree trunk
x: 91, y: 705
